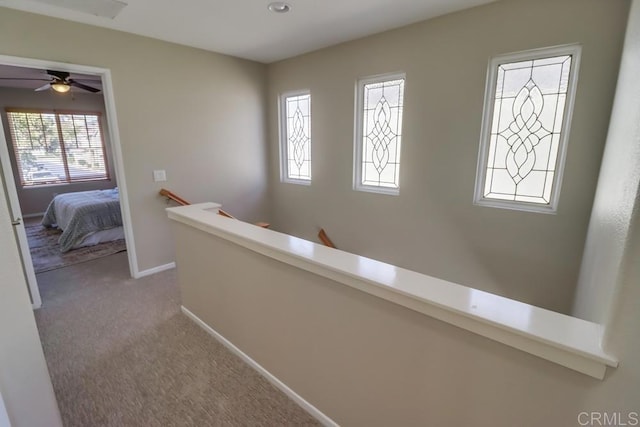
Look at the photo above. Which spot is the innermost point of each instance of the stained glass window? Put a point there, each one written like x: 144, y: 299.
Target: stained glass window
x: 526, y: 131
x: 296, y: 137
x: 379, y: 133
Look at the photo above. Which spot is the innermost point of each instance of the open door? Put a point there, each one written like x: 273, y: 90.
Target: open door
x: 4, y: 417
x: 18, y: 224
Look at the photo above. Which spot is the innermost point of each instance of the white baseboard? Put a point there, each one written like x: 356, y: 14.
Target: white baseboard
x: 154, y: 270
x: 34, y: 215
x: 312, y: 410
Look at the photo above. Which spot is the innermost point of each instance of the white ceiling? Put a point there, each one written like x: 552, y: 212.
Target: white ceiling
x: 245, y: 28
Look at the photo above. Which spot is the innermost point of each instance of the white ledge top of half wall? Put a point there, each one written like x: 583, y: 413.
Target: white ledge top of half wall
x: 568, y: 341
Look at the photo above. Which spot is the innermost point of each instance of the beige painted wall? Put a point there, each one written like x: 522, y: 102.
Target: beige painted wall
x: 24, y: 379
x: 432, y: 226
x: 618, y: 185
x: 196, y: 114
x: 35, y: 200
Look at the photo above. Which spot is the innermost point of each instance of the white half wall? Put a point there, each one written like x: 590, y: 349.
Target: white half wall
x: 365, y: 361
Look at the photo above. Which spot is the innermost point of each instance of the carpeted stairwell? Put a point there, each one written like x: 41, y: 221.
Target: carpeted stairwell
x: 120, y: 353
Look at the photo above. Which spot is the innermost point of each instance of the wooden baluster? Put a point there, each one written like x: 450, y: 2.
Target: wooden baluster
x: 322, y: 235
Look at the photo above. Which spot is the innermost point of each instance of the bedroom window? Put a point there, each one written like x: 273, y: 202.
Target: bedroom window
x: 57, y: 147
x: 295, y: 137
x: 525, y: 128
x: 379, y: 105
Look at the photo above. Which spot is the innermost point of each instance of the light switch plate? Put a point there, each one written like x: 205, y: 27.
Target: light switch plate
x: 159, y: 176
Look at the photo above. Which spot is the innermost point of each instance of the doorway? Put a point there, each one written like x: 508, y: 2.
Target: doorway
x: 38, y: 169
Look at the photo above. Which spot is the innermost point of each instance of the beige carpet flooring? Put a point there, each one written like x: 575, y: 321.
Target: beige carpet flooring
x: 120, y: 353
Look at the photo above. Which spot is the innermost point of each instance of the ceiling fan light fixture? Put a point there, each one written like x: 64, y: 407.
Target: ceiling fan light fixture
x: 279, y: 7
x: 60, y: 87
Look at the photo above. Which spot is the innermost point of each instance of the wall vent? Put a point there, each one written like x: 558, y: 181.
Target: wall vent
x: 104, y: 8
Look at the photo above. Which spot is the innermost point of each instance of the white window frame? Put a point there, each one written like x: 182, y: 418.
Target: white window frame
x: 64, y: 159
x: 282, y: 131
x: 575, y: 51
x: 358, y: 143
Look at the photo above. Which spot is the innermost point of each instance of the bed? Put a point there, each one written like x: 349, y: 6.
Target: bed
x: 86, y: 218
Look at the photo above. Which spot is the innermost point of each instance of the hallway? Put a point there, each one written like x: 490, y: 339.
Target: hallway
x: 120, y: 353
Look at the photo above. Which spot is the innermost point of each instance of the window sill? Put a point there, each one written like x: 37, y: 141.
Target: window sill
x: 306, y: 182
x: 567, y: 341
x: 62, y: 184
x: 378, y: 190
x: 516, y: 206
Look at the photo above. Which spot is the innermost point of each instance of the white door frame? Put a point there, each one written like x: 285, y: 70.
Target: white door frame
x: 114, y: 134
x: 16, y: 216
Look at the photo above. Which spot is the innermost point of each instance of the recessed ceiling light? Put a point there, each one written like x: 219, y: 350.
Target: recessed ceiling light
x: 279, y: 7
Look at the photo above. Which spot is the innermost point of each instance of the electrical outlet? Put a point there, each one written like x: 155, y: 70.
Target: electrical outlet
x: 159, y: 176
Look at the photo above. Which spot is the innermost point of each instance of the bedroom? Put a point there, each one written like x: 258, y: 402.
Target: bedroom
x: 215, y: 133
x: 35, y: 118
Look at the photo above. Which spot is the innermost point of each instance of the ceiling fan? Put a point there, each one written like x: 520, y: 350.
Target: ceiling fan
x: 59, y: 81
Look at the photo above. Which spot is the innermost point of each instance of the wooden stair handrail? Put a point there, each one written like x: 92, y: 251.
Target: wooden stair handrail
x: 172, y: 196
x: 322, y: 235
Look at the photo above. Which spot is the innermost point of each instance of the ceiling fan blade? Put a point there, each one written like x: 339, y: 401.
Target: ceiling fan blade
x: 83, y: 86
x: 97, y: 81
x: 43, y: 87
